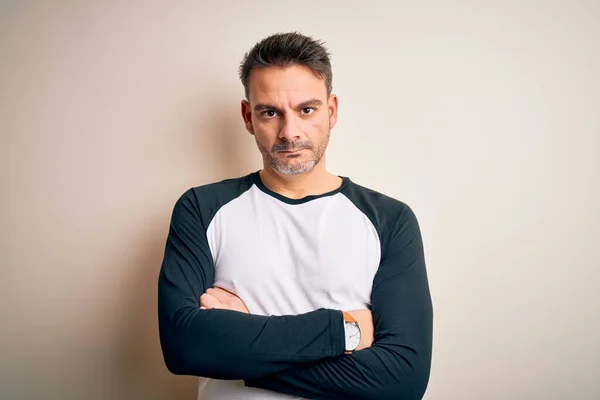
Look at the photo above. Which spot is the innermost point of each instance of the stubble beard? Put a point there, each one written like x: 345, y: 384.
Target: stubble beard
x: 292, y: 166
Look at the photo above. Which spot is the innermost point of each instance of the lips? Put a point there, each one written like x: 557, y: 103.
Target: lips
x: 290, y: 151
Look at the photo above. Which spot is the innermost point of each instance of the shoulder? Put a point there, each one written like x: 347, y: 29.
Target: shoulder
x: 205, y: 200
x: 379, y: 207
x: 387, y: 214
x: 221, y: 191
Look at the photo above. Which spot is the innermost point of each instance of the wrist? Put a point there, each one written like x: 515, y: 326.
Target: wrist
x: 352, y: 333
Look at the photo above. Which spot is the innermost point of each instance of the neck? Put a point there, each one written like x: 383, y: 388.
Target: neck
x: 314, y: 182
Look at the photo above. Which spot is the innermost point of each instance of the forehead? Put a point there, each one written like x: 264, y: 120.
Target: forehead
x: 295, y: 83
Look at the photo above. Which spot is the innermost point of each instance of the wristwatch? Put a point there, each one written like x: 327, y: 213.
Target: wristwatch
x: 352, y: 332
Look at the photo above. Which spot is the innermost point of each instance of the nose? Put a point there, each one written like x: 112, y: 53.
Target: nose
x: 289, y: 128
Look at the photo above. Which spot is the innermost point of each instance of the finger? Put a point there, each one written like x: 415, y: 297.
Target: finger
x: 208, y: 301
x: 220, y: 294
x: 225, y: 291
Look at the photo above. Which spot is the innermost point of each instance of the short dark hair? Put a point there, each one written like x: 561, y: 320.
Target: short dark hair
x: 287, y: 49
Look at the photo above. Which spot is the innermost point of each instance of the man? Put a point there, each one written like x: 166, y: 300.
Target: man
x: 292, y: 282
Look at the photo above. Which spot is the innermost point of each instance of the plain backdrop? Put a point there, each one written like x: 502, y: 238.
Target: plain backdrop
x: 483, y: 116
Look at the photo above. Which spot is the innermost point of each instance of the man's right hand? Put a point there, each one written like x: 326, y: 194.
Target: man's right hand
x: 222, y: 299
x: 365, y: 323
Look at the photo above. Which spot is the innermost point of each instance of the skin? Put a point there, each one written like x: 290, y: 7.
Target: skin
x: 290, y: 115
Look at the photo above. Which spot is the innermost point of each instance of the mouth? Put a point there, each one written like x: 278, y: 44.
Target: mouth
x: 290, y: 151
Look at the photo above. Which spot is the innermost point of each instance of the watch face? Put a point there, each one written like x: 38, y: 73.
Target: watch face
x: 352, y: 335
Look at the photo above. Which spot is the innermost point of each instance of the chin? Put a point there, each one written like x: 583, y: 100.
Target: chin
x: 294, y: 169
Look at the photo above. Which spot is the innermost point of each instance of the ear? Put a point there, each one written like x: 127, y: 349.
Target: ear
x: 247, y: 116
x: 332, y: 105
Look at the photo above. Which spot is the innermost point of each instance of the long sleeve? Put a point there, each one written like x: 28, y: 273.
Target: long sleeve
x: 398, y: 363
x: 226, y: 344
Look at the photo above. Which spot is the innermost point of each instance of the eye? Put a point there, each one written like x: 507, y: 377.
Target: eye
x: 307, y: 110
x: 269, y: 113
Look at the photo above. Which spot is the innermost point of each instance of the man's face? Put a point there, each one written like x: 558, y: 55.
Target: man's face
x: 290, y: 116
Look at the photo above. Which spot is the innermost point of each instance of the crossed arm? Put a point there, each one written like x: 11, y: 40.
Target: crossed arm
x: 302, y: 354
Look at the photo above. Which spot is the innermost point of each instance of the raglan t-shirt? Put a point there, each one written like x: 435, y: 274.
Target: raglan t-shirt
x: 296, y: 263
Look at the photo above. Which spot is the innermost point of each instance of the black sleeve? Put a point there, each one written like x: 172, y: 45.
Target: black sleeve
x: 225, y: 344
x: 398, y: 363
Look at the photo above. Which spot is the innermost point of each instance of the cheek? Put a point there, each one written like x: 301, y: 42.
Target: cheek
x: 264, y: 132
x: 319, y: 127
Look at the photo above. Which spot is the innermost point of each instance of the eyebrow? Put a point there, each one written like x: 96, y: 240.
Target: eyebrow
x: 304, y: 104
